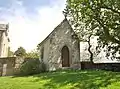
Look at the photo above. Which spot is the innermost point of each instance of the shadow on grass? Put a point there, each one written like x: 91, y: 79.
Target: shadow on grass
x: 78, y: 79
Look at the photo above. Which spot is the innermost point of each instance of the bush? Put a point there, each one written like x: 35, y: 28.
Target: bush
x: 31, y: 67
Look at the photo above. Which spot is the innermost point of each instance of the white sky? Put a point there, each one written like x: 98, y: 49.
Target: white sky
x: 28, y: 30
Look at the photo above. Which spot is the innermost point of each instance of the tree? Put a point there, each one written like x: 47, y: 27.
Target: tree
x: 20, y: 52
x: 82, y: 29
x: 100, y: 18
x: 32, y: 54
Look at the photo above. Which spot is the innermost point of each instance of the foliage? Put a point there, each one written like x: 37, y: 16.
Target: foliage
x: 32, y: 54
x: 82, y: 29
x: 20, y: 52
x: 31, y: 67
x: 64, y: 80
x: 98, y: 17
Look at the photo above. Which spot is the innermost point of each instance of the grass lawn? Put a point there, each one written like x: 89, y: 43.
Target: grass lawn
x: 64, y: 80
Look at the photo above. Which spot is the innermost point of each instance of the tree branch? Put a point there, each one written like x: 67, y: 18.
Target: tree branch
x: 89, y: 49
x: 106, y: 31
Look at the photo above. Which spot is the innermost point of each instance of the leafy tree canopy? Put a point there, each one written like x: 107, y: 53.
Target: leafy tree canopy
x: 32, y: 54
x: 97, y: 17
x: 20, y: 52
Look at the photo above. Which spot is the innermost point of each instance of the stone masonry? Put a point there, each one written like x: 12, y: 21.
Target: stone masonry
x: 4, y: 40
x: 62, y: 35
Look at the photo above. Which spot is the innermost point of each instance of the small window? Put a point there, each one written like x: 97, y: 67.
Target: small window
x: 42, y: 52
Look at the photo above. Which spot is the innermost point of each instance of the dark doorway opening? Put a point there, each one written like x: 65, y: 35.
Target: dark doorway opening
x: 65, y: 57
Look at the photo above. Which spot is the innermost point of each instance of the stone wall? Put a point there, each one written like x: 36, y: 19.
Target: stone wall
x: 102, y: 66
x: 4, y: 40
x: 4, y: 45
x: 10, y: 66
x: 60, y: 37
x: 18, y: 63
x: 7, y: 66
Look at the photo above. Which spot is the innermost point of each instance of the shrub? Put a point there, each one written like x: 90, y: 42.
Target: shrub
x: 31, y: 67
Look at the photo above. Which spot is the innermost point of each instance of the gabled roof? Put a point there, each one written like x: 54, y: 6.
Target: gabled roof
x: 65, y: 20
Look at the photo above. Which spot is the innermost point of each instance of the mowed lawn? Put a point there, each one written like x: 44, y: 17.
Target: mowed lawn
x: 64, y: 80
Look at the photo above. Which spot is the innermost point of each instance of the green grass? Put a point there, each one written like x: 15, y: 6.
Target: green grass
x: 64, y: 80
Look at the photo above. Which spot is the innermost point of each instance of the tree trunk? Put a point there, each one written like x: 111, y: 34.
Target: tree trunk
x: 89, y: 49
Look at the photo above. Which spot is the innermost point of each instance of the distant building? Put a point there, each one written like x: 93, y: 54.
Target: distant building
x: 4, y: 40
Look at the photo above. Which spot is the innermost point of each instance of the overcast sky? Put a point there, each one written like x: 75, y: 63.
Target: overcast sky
x: 30, y: 21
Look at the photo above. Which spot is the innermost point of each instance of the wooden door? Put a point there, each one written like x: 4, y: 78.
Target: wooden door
x: 65, y: 57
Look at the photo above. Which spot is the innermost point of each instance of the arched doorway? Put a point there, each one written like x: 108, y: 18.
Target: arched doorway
x: 65, y: 57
